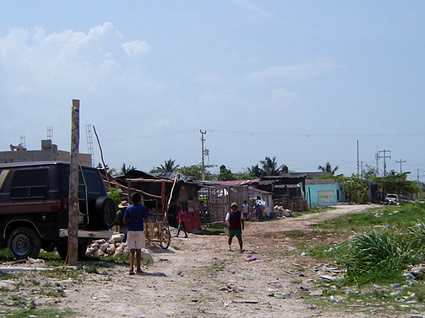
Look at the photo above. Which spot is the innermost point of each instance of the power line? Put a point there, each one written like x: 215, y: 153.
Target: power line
x: 265, y: 133
x: 400, y: 162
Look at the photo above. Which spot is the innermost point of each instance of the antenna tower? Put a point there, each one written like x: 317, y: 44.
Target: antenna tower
x: 22, y: 141
x: 90, y: 142
x: 50, y: 132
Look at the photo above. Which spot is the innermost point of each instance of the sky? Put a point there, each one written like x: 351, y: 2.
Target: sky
x: 301, y: 81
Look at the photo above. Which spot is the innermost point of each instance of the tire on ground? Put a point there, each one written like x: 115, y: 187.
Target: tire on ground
x: 105, y: 213
x: 24, y: 242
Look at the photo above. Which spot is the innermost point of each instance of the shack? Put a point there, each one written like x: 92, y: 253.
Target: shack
x: 215, y: 198
x: 162, y: 195
x: 287, y: 190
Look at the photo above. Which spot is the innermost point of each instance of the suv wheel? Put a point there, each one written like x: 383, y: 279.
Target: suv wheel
x: 24, y: 242
x: 105, y: 212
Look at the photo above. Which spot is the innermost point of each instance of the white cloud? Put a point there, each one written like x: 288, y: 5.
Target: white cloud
x: 295, y: 72
x: 250, y: 6
x: 40, y: 63
x: 281, y: 98
x: 136, y: 47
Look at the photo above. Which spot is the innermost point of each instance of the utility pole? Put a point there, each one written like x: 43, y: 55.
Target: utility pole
x: 377, y: 162
x: 384, y: 156
x: 203, y: 154
x: 73, y: 186
x: 400, y: 162
x: 358, y: 158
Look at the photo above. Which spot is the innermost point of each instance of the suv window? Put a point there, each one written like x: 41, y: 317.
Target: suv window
x: 29, y: 184
x: 91, y: 180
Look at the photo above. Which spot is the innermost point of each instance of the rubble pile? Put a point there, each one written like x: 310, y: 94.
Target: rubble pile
x: 113, y: 247
x: 282, y: 212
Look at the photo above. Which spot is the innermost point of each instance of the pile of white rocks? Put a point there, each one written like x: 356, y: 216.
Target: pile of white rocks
x: 113, y: 247
x: 281, y: 211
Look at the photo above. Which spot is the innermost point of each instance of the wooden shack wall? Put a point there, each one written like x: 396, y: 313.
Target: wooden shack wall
x: 218, y: 199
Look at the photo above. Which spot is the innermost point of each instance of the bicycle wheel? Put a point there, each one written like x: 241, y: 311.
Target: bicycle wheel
x: 165, y: 238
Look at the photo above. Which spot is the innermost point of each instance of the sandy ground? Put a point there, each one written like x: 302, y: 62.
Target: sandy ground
x: 199, y: 277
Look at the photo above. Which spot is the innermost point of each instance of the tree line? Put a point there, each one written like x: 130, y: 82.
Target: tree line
x: 357, y: 187
x: 267, y: 167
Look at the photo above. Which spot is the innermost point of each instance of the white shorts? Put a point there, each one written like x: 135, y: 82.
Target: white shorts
x: 135, y: 240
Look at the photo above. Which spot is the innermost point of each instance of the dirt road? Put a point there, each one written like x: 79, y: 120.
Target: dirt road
x: 198, y: 277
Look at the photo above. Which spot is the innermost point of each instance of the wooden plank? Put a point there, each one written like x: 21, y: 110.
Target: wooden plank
x: 149, y: 180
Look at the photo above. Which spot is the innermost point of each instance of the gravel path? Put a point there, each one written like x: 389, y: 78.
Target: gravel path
x: 198, y: 277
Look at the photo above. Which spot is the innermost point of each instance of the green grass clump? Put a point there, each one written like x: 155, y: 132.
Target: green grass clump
x: 399, y: 217
x: 375, y: 255
x: 416, y: 235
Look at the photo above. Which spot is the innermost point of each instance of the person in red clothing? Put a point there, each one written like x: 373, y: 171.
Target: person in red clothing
x: 180, y: 218
x: 235, y: 224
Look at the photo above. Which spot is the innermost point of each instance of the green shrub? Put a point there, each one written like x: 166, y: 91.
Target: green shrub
x: 115, y: 195
x: 416, y: 235
x: 375, y: 255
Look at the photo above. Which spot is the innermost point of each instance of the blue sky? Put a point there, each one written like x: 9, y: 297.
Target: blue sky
x: 299, y: 80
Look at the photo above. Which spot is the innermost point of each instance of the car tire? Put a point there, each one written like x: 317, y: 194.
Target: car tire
x: 105, y: 213
x: 24, y: 242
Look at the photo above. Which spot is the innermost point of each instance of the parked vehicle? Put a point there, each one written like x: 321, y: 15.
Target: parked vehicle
x: 404, y: 199
x: 391, y: 199
x: 34, y: 208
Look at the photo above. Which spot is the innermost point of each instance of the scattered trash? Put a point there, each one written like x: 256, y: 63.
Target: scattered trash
x: 327, y: 277
x: 250, y: 258
x: 316, y: 293
x: 245, y: 301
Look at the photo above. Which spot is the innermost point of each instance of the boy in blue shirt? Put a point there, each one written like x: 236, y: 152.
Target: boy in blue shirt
x: 134, y: 216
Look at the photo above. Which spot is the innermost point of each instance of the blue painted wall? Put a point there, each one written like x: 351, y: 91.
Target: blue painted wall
x: 322, y: 194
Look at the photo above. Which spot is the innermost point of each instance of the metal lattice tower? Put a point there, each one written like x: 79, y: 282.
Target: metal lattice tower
x: 90, y: 142
x: 50, y: 132
x: 22, y: 141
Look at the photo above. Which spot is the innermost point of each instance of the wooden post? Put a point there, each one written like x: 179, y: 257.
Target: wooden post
x: 163, y: 198
x: 73, y: 186
x: 165, y: 219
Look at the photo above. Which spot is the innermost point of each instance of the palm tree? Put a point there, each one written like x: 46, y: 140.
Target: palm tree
x: 270, y: 167
x: 125, y: 169
x: 328, y: 168
x: 168, y: 166
x: 255, y: 171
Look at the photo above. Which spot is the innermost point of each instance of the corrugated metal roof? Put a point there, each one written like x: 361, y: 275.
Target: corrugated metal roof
x: 237, y: 182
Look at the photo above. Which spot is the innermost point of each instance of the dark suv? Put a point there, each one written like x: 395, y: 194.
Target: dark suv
x: 34, y: 208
